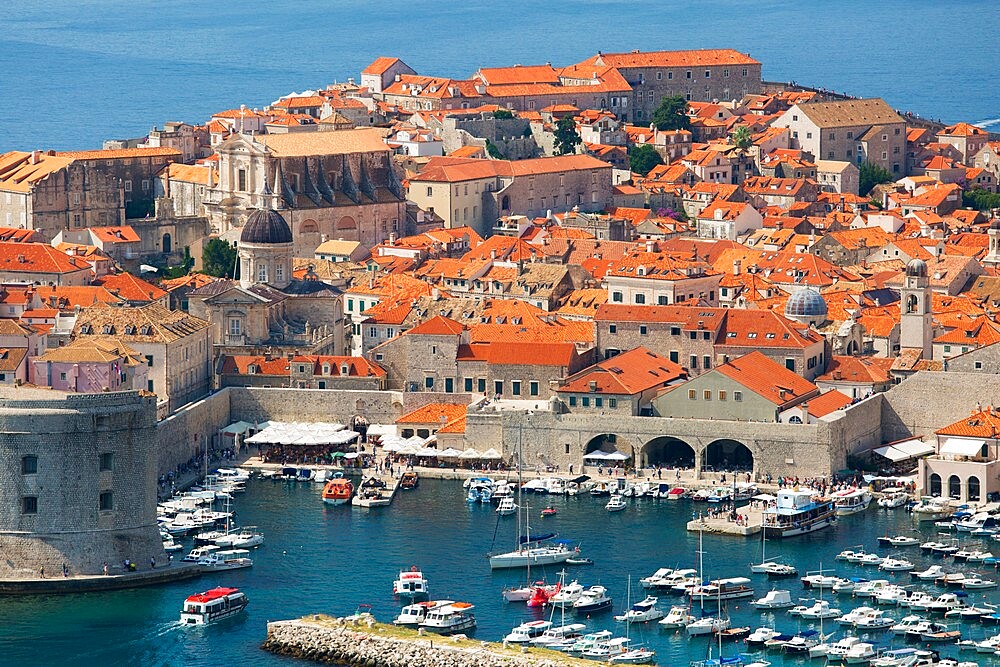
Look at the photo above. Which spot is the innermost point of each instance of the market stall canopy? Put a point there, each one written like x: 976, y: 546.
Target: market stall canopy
x: 767, y: 497
x: 381, y: 429
x: 300, y: 433
x: 450, y: 453
x: 469, y: 453
x: 905, y: 449
x: 617, y: 456
x: 427, y: 451
x: 596, y: 456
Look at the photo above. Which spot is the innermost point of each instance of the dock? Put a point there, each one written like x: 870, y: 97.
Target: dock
x: 722, y: 525
x: 377, y: 489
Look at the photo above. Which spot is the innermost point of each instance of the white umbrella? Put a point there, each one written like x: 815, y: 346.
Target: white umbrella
x: 450, y: 453
x: 427, y: 451
x: 391, y: 447
x: 408, y: 450
x: 617, y: 456
x: 764, y: 496
x: 597, y: 456
x: 491, y: 454
x: 469, y: 453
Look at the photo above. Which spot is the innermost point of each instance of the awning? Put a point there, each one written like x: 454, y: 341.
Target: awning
x: 617, y: 456
x: 962, y: 446
x: 381, y: 429
x: 492, y: 454
x: 450, y: 453
x: 469, y: 454
x: 238, y: 428
x: 905, y: 449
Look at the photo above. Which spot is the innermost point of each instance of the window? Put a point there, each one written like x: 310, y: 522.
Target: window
x: 643, y: 329
x: 128, y: 186
x: 737, y: 396
x: 429, y: 382
x: 675, y: 331
x: 107, y: 461
x: 145, y: 184
x: 241, y: 178
x: 692, y: 395
x: 659, y: 76
x: 515, y: 387
x: 640, y: 298
x: 616, y: 297
x: 708, y: 73
x: 107, y: 501
x: 468, y: 384
x: 533, y: 388
x: 662, y: 300
x: 430, y: 191
x: 598, y: 402
x: 670, y: 75
x: 572, y: 401
x: 498, y: 387
x: 979, y: 365
x: 372, y: 332
x: 481, y: 385
x: 62, y: 376
x: 687, y: 74
x: 790, y: 364
x: 29, y: 505
x: 449, y: 385
x: 722, y: 395
x: 706, y: 362
x: 612, y: 328
x: 29, y: 464
x: 707, y: 394
x: 693, y: 361
x: 586, y: 401
x: 674, y: 356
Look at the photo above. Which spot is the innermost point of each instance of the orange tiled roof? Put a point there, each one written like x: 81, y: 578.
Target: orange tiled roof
x: 434, y: 413
x: 119, y: 153
x: 627, y: 374
x: 767, y: 378
x: 37, y: 258
x: 982, y: 424
x: 689, y: 58
x: 828, y: 402
x: 512, y: 353
x: 437, y: 326
x: 963, y: 130
x: 859, y: 370
x: 131, y: 287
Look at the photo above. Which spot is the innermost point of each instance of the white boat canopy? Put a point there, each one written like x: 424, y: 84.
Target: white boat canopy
x: 962, y: 446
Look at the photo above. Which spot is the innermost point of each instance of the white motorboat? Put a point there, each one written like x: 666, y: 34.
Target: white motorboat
x: 567, y: 594
x: 213, y: 605
x: 642, y: 612
x: 198, y: 553
x: 603, y: 651
x: 946, y: 602
x: 241, y: 538
x: 918, y: 600
x: 870, y: 589
x: 414, y: 614
x: 851, y: 555
x: 169, y: 544
x: 707, y: 626
x: 633, y: 656
x: 231, y: 559
x: 930, y: 574
x: 972, y: 555
x: 860, y: 653
x: 893, y: 500
x: 208, y: 536
x: 656, y: 579
x: 616, y: 503
x: 876, y: 620
x: 532, y: 556
x: 579, y: 645
x: 907, y: 624
x: 898, y: 541
x: 821, y: 609
x: 679, y: 580
x: 593, y: 599
x: 931, y: 509
x: 559, y: 634
x: 450, y: 618
x: 506, y: 506
x: 722, y: 589
x: 851, y: 501
x: 801, y: 642
x: 988, y: 645
x: 896, y: 595
x: 797, y: 513
x: 835, y: 651
x: 774, y: 600
x: 525, y: 593
x: 761, y: 635
x: 775, y: 569
x: 896, y: 565
x: 819, y: 580
x: 410, y: 583
x: 524, y: 633
x: 950, y: 579
x: 978, y: 583
x: 679, y: 616
x: 851, y: 617
x: 870, y: 560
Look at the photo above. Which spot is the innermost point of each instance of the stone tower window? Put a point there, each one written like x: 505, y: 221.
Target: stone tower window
x: 107, y: 501
x: 29, y: 464
x: 29, y: 505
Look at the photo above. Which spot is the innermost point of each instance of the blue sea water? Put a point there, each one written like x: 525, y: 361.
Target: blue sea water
x: 76, y: 72
x: 322, y: 559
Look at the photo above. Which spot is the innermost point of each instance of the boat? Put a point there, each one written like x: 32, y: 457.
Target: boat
x: 558, y: 634
x: 240, y: 538
x: 971, y: 555
x: 896, y: 565
x: 642, y: 612
x: 213, y: 605
x: 930, y: 509
x: 707, y: 626
x: 567, y: 594
x: 602, y: 651
x: 851, y: 617
x: 722, y: 589
x: 676, y: 493
x: 506, y: 506
x: 450, y: 618
x: 338, y: 491
x: 860, y: 653
x: 893, y: 500
x: 771, y: 568
x: 616, y: 503
x: 930, y: 574
x: 525, y: 632
x: 414, y: 614
x: 898, y: 541
x: 874, y: 620
x: 593, y: 599
x: 579, y: 560
x: 895, y: 595
x: 633, y: 656
x: 819, y: 580
x: 978, y: 583
x: 410, y: 584
x: 683, y: 579
x: 774, y: 600
x: 908, y: 624
x: 602, y: 489
x: 946, y: 602
x: 549, y: 511
x: 821, y: 609
x: 720, y: 494
x: 679, y: 616
x: 532, y: 553
x: 870, y: 589
x: 580, y: 644
x: 409, y: 481
x: 231, y: 559
x: 851, y: 501
x: 654, y: 580
x: 761, y: 635
x: 950, y: 579
x: 796, y: 513
x: 198, y: 553
x: 801, y: 642
x: 942, y: 635
x: 372, y: 492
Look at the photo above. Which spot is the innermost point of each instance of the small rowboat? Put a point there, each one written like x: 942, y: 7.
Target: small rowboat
x: 549, y: 511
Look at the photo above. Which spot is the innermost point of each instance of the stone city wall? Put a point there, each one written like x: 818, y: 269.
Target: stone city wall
x: 928, y: 401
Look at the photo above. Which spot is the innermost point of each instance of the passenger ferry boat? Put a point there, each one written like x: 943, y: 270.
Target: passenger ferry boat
x: 795, y: 513
x: 213, y: 605
x: 231, y: 559
x: 722, y: 589
x: 338, y: 491
x: 410, y: 584
x: 449, y: 618
x: 851, y: 501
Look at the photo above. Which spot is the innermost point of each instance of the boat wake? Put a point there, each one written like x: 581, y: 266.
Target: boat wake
x: 988, y: 123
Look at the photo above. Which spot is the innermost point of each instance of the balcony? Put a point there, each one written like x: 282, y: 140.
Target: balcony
x: 235, y: 339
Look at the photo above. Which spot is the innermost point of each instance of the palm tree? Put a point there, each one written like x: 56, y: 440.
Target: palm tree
x: 742, y: 139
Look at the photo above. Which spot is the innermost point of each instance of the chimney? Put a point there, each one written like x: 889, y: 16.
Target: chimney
x: 593, y: 385
x: 36, y: 156
x: 392, y: 238
x: 736, y: 266
x: 650, y: 245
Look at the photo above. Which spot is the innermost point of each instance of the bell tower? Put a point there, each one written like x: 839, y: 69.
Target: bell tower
x: 916, y: 323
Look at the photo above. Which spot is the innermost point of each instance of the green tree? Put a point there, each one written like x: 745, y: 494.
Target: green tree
x: 672, y: 114
x: 742, y: 138
x: 871, y: 175
x: 493, y: 151
x: 981, y: 199
x: 567, y: 138
x: 503, y: 114
x: 643, y: 158
x: 219, y: 259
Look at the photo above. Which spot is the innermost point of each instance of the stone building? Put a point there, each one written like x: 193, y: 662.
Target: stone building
x: 48, y: 193
x: 302, y: 371
x: 79, y: 484
x: 625, y: 384
x: 91, y: 365
x: 916, y: 324
x: 134, y: 168
x: 966, y: 462
x: 852, y: 131
x: 327, y: 184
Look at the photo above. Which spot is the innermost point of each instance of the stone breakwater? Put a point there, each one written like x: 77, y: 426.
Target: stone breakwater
x: 364, y: 643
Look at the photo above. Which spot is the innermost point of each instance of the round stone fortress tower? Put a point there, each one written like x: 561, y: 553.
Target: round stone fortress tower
x: 77, y: 483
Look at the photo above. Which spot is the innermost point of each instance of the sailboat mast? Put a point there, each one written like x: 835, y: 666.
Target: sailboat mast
x: 701, y: 564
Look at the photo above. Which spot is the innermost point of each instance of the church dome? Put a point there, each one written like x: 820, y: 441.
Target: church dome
x: 266, y: 226
x: 917, y: 267
x: 805, y: 303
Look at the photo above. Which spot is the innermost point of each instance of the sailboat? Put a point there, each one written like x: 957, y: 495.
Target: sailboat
x: 530, y: 549
x: 633, y: 656
x: 771, y: 568
x: 562, y: 632
x: 706, y: 624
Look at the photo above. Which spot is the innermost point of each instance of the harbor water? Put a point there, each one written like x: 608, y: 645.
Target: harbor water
x: 78, y: 72
x: 323, y: 559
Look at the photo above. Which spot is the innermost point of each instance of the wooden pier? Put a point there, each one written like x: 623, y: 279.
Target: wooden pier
x: 377, y: 489
x: 722, y: 525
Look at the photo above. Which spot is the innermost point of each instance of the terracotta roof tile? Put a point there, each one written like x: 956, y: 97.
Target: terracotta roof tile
x: 434, y: 413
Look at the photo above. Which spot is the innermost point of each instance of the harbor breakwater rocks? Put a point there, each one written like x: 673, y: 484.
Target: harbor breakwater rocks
x: 364, y: 643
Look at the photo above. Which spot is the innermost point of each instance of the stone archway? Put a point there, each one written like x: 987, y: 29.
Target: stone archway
x: 347, y: 222
x: 167, y: 244
x: 727, y: 455
x: 972, y: 488
x: 669, y: 452
x: 935, y: 484
x: 605, y: 442
x: 954, y: 487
